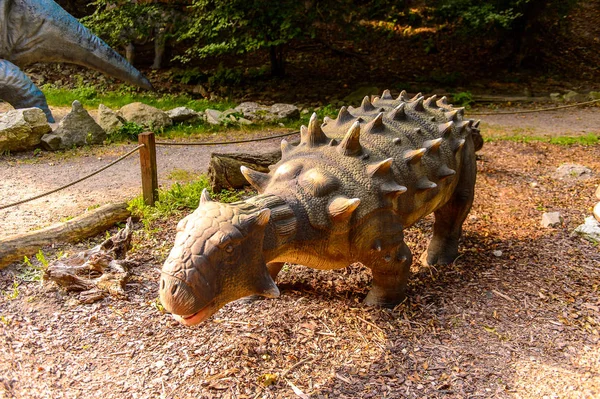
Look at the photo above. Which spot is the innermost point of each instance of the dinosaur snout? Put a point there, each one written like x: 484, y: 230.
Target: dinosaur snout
x: 177, y: 296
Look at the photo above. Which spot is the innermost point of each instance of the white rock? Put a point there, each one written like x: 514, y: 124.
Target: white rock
x: 284, y: 111
x: 213, y: 116
x: 22, y: 129
x: 146, y: 115
x: 108, y: 119
x: 590, y: 229
x: 182, y: 114
x: 571, y: 171
x: 77, y: 128
x: 551, y: 219
x: 497, y: 253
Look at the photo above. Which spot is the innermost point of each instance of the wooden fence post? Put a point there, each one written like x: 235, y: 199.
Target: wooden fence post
x: 148, y: 165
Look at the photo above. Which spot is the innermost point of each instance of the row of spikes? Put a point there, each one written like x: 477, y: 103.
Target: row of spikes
x: 418, y: 103
x: 350, y: 146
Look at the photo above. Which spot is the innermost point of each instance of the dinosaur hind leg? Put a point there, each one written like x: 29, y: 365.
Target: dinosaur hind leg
x: 19, y: 91
x: 447, y: 229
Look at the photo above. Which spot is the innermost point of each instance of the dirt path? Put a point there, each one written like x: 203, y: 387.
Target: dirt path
x: 25, y: 175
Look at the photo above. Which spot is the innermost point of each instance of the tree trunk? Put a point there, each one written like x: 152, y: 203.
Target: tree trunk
x: 277, y: 61
x: 15, y: 247
x: 224, y: 169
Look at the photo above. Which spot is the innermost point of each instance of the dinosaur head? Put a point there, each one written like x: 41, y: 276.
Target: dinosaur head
x: 217, y: 258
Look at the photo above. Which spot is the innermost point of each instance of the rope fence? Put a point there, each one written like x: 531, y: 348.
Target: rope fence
x: 148, y: 156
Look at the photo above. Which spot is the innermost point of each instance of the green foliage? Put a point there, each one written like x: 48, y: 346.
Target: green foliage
x: 30, y: 271
x: 127, y: 131
x: 463, y: 99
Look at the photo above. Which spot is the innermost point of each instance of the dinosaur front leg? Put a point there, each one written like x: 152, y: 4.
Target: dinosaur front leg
x: 447, y: 229
x: 19, y: 91
x: 390, y: 277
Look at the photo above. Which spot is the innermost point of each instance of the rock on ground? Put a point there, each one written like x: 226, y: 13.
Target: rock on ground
x: 285, y: 111
x: 77, y: 128
x: 213, y: 116
x: 590, y: 229
x: 22, y: 129
x: 109, y: 120
x: 572, y: 171
x: 146, y: 115
x: 182, y: 114
x: 551, y: 219
x: 254, y: 111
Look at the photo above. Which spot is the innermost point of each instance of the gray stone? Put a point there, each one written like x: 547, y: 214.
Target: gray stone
x: 556, y: 97
x: 244, y: 121
x: 213, y: 116
x: 356, y: 97
x: 497, y: 253
x: 572, y: 96
x: 572, y: 171
x: 146, y: 115
x: 551, y: 219
x: 109, y: 120
x: 285, y: 111
x: 182, y: 114
x: 22, y: 129
x: 252, y: 111
x: 590, y: 230
x: 77, y: 128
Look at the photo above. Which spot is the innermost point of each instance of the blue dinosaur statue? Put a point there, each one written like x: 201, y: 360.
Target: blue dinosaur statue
x: 41, y: 31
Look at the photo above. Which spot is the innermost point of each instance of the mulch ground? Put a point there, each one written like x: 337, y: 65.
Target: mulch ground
x: 517, y: 315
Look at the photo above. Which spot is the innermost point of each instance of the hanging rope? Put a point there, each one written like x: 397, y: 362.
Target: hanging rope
x: 529, y: 111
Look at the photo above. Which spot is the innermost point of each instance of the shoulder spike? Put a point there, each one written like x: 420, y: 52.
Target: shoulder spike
x: 458, y: 145
x: 460, y: 110
x: 205, y: 197
x: 417, y: 96
x: 327, y: 119
x: 403, y: 96
x: 445, y: 129
x: 433, y: 145
x: 445, y: 172
x: 392, y: 188
x: 442, y: 101
x: 398, y: 113
x: 333, y: 142
x: 258, y: 180
x: 476, y: 124
x: 417, y: 104
x: 318, y: 183
x: 414, y: 156
x: 376, y: 125
x: 380, y: 168
x: 314, y: 135
x: 430, y: 102
x: 424, y: 184
x: 387, y: 95
x: 343, y: 116
x: 286, y: 147
x: 366, y: 105
x: 342, y: 208
x: 397, y: 140
x: 350, y: 145
x: 417, y: 130
x: 375, y: 99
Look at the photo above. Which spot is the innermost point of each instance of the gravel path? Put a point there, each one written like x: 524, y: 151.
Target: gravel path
x: 24, y: 175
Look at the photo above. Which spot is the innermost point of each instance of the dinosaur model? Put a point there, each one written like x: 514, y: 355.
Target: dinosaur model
x: 41, y: 31
x: 343, y: 195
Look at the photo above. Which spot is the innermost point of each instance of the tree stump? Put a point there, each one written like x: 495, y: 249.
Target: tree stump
x: 97, y: 272
x: 224, y: 169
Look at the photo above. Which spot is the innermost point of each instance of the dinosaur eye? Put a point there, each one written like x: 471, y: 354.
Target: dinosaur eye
x: 229, y: 248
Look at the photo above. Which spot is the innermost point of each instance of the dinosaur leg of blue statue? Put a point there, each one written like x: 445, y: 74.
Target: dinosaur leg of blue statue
x: 19, y: 91
x: 447, y: 229
x: 390, y: 277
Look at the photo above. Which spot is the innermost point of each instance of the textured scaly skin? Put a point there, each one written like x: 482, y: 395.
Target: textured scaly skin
x: 343, y: 195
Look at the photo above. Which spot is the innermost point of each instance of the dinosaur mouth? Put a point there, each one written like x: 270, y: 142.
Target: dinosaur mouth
x: 196, y: 318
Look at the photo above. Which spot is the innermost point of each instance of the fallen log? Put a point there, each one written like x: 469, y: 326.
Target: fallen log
x: 15, y: 247
x: 224, y: 169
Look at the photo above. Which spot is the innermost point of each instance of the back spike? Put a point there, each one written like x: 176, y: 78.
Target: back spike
x: 392, y: 188
x: 366, y: 105
x: 258, y: 180
x: 430, y: 102
x: 286, y: 147
x: 205, y: 197
x: 380, y: 168
x: 343, y: 116
x: 424, y: 184
x: 397, y: 140
x: 451, y: 115
x: 398, y: 113
x: 458, y: 145
x: 314, y: 135
x: 403, y: 96
x: 375, y: 99
x: 476, y: 124
x: 445, y: 172
x: 445, y: 129
x: 350, y: 145
x: 417, y: 104
x: 386, y: 95
x: 376, y: 125
x: 414, y: 156
x: 442, y: 101
x: 417, y: 96
x: 433, y: 145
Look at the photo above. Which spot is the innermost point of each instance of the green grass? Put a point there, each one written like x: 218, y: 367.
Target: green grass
x: 587, y: 140
x: 91, y: 96
x: 178, y: 198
